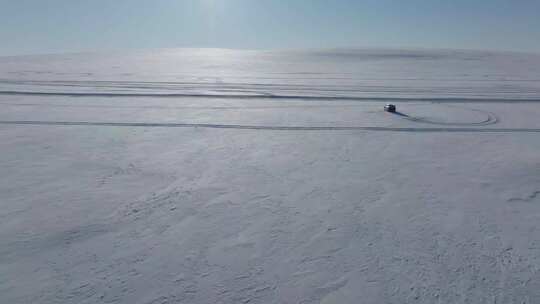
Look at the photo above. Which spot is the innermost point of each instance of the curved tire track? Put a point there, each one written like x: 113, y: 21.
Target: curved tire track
x: 490, y: 119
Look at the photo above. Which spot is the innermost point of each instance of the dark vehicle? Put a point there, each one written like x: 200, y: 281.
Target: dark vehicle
x: 390, y: 108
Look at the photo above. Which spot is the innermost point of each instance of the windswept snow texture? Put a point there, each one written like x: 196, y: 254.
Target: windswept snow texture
x: 219, y: 176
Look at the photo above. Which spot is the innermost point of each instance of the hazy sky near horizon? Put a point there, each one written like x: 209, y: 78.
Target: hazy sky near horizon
x: 38, y: 26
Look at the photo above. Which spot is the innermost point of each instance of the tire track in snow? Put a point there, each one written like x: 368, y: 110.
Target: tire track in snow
x: 276, y: 96
x: 270, y: 128
x: 529, y: 198
x: 55, y: 105
x: 490, y: 119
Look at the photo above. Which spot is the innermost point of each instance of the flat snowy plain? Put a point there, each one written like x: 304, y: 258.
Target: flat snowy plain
x: 218, y: 176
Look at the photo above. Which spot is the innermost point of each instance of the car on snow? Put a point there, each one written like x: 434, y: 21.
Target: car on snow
x: 390, y: 108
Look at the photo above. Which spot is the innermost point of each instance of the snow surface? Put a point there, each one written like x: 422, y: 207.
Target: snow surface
x: 218, y: 176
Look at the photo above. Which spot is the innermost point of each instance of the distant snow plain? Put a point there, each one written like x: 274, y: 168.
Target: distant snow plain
x: 224, y: 176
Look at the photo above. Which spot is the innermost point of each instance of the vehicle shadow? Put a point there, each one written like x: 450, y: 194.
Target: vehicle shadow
x: 400, y: 114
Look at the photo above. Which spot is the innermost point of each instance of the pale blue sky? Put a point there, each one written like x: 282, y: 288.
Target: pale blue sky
x: 48, y: 26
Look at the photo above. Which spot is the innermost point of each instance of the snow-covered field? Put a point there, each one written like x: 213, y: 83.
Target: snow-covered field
x: 218, y: 176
